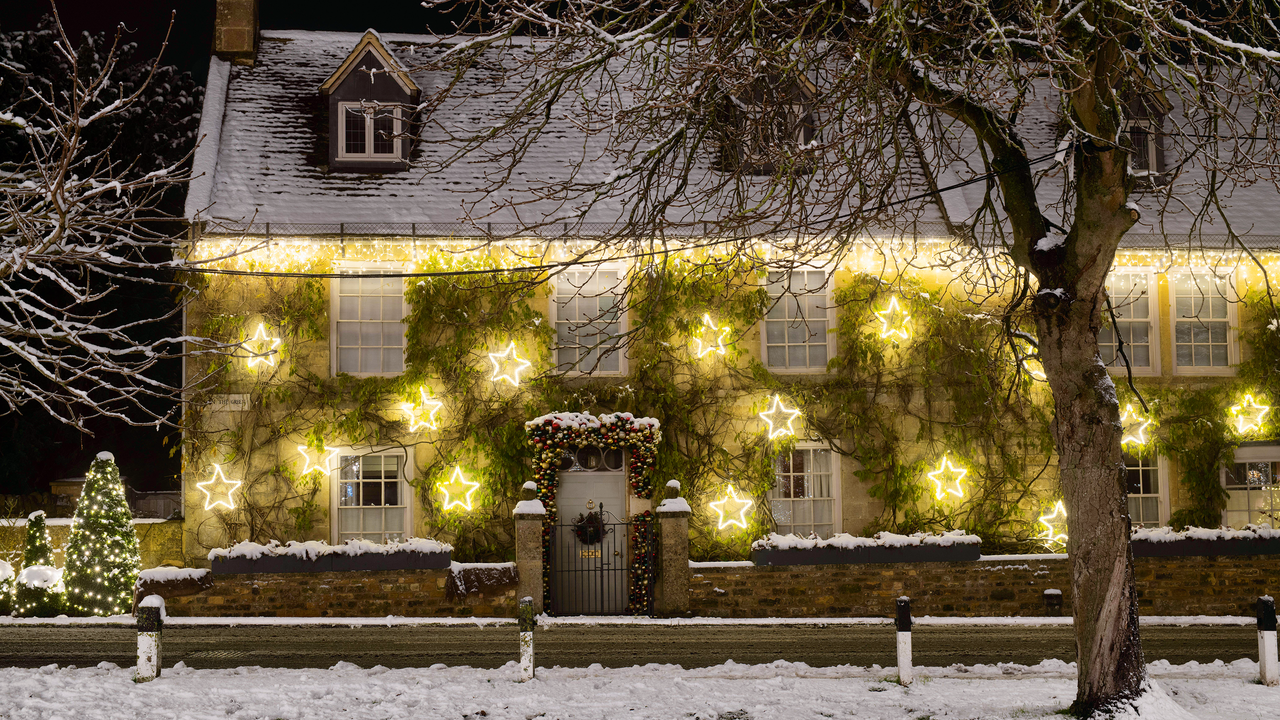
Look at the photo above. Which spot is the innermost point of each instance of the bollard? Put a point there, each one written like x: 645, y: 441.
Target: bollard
x: 1268, y: 669
x: 527, y: 622
x: 905, y: 675
x: 150, y: 621
x: 1053, y: 603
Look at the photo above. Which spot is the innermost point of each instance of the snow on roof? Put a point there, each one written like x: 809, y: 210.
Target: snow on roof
x: 262, y: 157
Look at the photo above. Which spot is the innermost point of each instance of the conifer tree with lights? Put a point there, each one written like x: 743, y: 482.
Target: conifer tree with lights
x: 102, y: 554
x: 39, y: 547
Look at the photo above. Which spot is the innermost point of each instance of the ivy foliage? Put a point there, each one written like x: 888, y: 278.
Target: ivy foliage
x: 890, y: 407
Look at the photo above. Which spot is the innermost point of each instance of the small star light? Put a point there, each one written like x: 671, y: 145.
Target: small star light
x: 458, y: 490
x: 507, y: 365
x: 262, y: 347
x: 774, y: 418
x: 1248, y: 414
x: 1134, y: 427
x: 1051, y: 536
x: 320, y: 467
x: 703, y: 349
x: 946, y: 473
x: 220, y: 487
x: 423, y: 414
x: 893, y: 321
x: 732, y: 509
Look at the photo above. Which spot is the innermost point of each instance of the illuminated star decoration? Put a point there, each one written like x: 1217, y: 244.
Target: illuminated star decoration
x: 946, y: 473
x: 220, y: 487
x: 262, y: 347
x: 732, y: 509
x: 718, y: 347
x: 457, y: 492
x: 507, y: 365
x: 423, y: 414
x: 1051, y: 536
x: 1134, y: 427
x: 893, y: 321
x: 773, y: 417
x: 1248, y: 414
x: 320, y: 467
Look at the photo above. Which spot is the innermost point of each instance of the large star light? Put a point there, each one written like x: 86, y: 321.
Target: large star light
x: 263, y: 347
x: 422, y: 414
x: 219, y: 487
x: 1051, y: 536
x: 947, y: 474
x: 779, y: 418
x: 731, y: 509
x: 457, y: 492
x: 322, y: 466
x: 893, y: 321
x: 1134, y: 427
x: 507, y: 365
x: 709, y: 329
x: 1248, y: 414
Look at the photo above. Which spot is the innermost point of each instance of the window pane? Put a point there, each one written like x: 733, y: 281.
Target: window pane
x: 371, y: 493
x: 372, y: 521
x: 370, y: 361
x: 347, y: 495
x: 395, y: 522
x: 384, y: 128
x: 355, y: 132
x: 348, y: 521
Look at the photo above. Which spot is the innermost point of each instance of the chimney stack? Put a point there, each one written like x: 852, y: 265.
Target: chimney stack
x: 235, y: 31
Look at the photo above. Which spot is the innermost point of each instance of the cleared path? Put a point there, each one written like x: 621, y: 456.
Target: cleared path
x: 581, y: 645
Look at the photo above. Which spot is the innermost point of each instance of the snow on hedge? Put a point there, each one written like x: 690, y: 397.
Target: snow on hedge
x: 167, y: 573
x: 845, y: 541
x: 1166, y: 534
x: 313, y: 549
x: 44, y: 577
x: 6, y: 572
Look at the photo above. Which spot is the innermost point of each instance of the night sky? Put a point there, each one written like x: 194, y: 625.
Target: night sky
x: 33, y: 450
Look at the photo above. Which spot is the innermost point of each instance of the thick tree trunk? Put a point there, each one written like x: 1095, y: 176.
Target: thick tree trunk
x: 1069, y: 308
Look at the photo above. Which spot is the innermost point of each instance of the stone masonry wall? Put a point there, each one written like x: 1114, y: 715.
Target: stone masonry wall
x: 408, y: 593
x: 1221, y: 585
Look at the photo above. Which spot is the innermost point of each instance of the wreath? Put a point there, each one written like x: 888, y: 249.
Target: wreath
x: 589, y: 528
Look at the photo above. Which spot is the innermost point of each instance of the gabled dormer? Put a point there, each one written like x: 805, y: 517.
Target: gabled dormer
x: 765, y: 128
x: 370, y: 100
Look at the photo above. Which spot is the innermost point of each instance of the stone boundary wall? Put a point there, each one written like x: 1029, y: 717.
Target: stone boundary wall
x: 160, y: 543
x: 409, y: 593
x: 1006, y: 586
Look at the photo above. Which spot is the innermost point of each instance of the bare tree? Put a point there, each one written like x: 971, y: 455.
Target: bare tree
x: 822, y: 125
x: 82, y: 228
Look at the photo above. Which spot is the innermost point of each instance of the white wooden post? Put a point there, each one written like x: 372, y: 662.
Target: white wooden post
x: 150, y: 622
x: 1268, y: 665
x: 905, y: 674
x: 527, y: 622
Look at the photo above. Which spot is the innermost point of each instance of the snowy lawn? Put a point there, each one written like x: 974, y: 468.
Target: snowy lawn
x: 781, y: 690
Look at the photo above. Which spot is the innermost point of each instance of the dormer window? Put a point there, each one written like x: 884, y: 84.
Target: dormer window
x: 1145, y: 156
x: 370, y: 132
x: 767, y: 130
x: 370, y: 99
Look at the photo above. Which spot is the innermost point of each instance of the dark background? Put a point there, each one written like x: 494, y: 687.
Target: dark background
x: 35, y: 449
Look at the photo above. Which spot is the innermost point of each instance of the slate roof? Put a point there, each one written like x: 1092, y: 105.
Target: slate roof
x: 262, y: 161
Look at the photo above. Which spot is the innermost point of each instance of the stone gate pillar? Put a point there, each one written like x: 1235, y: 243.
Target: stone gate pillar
x: 671, y: 596
x: 529, y: 516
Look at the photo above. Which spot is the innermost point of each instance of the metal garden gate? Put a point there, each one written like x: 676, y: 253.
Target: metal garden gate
x: 591, y: 566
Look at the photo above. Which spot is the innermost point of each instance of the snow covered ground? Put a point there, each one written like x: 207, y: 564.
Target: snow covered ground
x: 781, y: 690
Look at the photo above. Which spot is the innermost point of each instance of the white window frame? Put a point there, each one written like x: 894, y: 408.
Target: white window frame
x: 553, y: 313
x: 1248, y: 454
x: 356, y: 269
x: 837, y: 513
x: 369, y: 154
x: 1154, y: 319
x: 406, y: 486
x: 829, y: 298
x: 1233, y: 328
x: 1162, y: 469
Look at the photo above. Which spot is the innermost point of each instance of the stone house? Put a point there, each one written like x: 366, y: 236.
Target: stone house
x: 330, y: 426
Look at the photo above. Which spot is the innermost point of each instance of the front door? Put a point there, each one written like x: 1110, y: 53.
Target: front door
x: 590, y: 569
